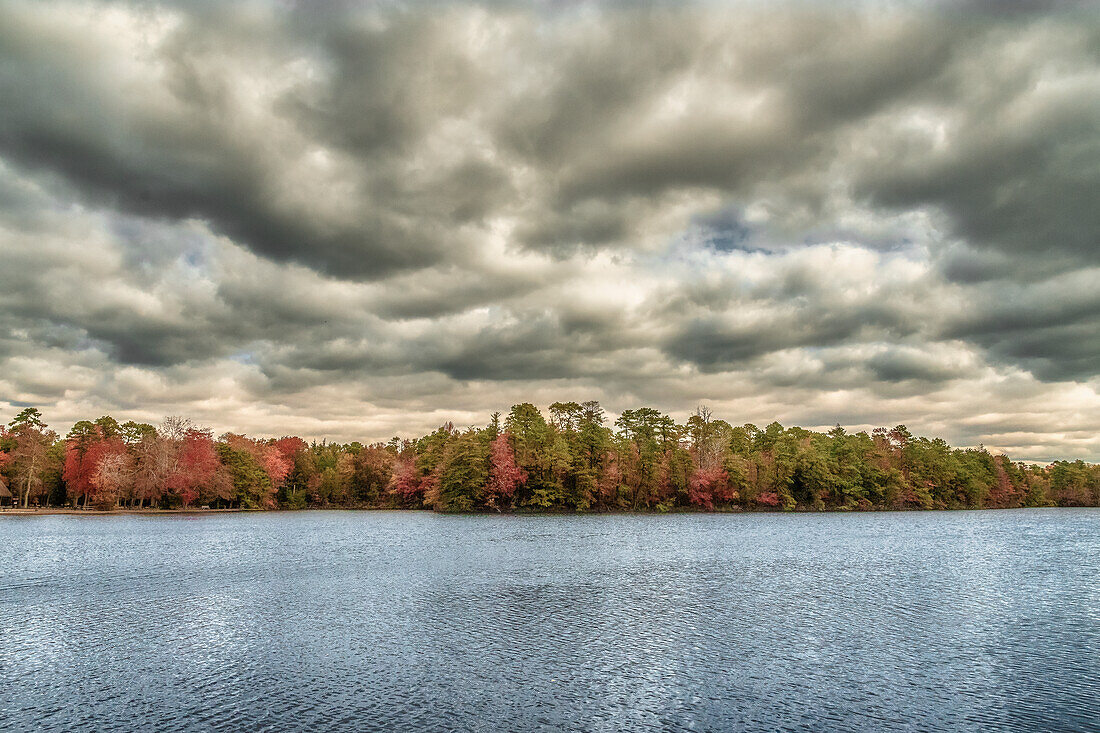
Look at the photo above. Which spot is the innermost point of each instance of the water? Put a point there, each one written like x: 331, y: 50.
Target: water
x: 965, y: 621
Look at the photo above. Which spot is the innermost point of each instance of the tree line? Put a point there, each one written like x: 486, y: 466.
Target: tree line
x: 568, y: 460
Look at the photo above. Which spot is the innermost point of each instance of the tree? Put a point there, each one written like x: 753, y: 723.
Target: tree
x: 405, y: 484
x: 155, y: 462
x: 98, y: 466
x: 28, y: 418
x: 589, y: 446
x: 196, y: 466
x: 251, y: 486
x: 266, y: 454
x: 504, y: 474
x: 175, y: 427
x: 133, y: 433
x: 30, y: 455
x: 112, y: 475
x: 566, y: 416
x: 290, y: 447
x: 531, y: 439
x: 371, y: 472
x: 274, y: 463
x: 571, y: 461
x: 708, y: 486
x: 109, y: 427
x: 646, y: 436
x: 296, y: 483
x: 462, y: 475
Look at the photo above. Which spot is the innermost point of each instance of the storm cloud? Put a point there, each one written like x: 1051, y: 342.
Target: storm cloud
x: 364, y: 219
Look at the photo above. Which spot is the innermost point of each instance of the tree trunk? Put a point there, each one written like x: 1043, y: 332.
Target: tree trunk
x: 27, y: 483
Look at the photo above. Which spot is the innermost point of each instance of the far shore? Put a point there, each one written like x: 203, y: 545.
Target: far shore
x: 69, y: 511
x: 43, y: 511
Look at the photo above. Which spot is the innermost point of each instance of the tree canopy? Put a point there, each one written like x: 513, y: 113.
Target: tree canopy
x: 570, y: 460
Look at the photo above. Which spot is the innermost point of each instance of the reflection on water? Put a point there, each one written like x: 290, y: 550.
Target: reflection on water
x: 414, y: 621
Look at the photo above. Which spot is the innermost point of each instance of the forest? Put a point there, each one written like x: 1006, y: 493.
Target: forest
x: 570, y: 460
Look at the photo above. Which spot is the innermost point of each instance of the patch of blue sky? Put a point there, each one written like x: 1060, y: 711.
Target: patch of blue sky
x: 149, y: 244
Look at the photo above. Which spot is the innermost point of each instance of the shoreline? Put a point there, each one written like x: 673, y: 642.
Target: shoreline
x: 60, y: 511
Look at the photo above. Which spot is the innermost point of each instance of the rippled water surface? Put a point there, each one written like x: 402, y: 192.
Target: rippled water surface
x: 412, y: 621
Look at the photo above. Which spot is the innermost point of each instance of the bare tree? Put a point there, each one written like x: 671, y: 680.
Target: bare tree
x: 175, y: 428
x: 113, y: 474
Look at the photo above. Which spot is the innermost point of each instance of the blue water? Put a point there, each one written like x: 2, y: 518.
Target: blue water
x: 960, y: 621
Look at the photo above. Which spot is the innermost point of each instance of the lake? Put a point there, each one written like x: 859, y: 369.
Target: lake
x: 412, y: 621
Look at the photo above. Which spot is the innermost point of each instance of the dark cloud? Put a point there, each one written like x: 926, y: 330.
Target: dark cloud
x: 405, y: 207
x: 967, y: 265
x: 584, y: 224
x: 900, y: 365
x: 178, y: 148
x: 716, y: 343
x: 1052, y: 329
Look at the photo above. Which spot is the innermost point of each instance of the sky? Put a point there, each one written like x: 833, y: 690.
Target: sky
x: 360, y: 220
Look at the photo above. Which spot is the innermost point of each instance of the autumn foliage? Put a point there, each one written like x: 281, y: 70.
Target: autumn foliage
x: 708, y: 486
x: 525, y: 461
x: 196, y: 466
x: 95, y: 462
x: 504, y: 474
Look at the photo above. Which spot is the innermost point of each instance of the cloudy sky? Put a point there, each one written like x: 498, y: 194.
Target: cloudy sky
x: 364, y: 220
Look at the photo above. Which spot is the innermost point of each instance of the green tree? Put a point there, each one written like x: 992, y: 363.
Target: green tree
x: 31, y: 454
x: 464, y: 473
x: 251, y: 485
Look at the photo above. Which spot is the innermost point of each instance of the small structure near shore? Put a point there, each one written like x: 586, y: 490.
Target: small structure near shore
x: 6, y: 497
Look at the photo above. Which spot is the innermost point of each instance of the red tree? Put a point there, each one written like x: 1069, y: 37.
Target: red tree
x: 768, y: 498
x: 275, y: 464
x: 290, y: 447
x: 85, y: 449
x: 609, y: 479
x: 405, y: 483
x: 708, y: 485
x: 504, y: 474
x: 196, y: 466
x: 77, y: 475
